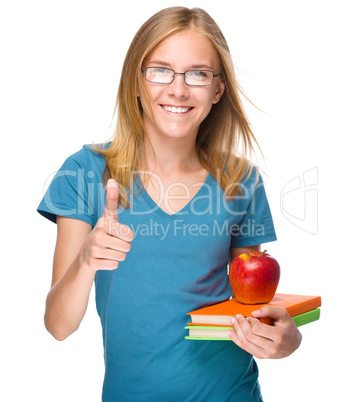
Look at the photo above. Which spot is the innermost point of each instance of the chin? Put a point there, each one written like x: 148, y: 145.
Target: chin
x: 179, y: 133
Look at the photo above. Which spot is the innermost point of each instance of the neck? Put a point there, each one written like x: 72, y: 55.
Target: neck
x: 171, y: 155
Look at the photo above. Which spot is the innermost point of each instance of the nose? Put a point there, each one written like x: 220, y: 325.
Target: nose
x: 178, y: 87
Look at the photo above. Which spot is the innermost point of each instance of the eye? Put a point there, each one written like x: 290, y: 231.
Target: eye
x: 159, y: 71
x: 200, y: 74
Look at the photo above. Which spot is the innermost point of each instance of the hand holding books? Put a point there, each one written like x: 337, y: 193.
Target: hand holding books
x: 266, y: 341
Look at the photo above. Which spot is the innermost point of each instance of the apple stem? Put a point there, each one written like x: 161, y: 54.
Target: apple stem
x: 265, y: 251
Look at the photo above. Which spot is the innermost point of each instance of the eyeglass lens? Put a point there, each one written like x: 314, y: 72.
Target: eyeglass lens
x: 166, y: 76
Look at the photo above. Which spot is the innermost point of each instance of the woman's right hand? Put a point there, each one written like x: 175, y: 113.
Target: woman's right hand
x: 109, y: 241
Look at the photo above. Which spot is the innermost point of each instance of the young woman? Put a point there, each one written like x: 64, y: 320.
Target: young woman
x: 155, y: 216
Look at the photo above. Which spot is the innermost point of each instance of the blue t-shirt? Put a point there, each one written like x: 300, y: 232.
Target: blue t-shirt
x: 177, y: 263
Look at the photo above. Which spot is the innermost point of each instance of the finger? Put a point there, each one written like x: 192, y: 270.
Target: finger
x: 115, y: 229
x: 232, y: 334
x: 111, y: 203
x: 246, y: 329
x: 110, y: 254
x: 238, y: 336
x: 120, y: 231
x: 277, y: 313
x: 115, y: 243
x: 262, y: 330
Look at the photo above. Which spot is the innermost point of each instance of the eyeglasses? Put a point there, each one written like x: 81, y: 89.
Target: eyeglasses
x: 160, y: 75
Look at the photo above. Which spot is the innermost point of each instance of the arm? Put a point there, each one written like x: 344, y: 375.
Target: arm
x: 262, y: 340
x: 72, y: 280
x: 79, y: 253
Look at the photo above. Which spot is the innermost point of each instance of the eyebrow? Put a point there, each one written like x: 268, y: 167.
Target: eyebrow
x: 194, y: 66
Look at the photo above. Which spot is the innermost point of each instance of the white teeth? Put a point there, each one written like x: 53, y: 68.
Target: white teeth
x: 174, y: 109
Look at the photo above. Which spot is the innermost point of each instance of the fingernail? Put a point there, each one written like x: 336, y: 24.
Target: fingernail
x: 233, y: 320
x: 111, y: 183
x: 238, y: 316
x: 229, y: 332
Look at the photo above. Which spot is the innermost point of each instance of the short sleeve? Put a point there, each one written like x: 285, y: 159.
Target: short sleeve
x: 67, y: 194
x: 256, y: 224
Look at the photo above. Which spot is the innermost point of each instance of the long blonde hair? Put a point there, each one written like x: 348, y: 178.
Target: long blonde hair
x: 219, y: 135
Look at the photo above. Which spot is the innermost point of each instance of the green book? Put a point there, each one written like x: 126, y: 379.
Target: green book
x: 307, y: 317
x: 219, y: 333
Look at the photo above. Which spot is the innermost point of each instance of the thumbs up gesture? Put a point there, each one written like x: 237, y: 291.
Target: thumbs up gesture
x: 111, y: 204
x: 109, y: 241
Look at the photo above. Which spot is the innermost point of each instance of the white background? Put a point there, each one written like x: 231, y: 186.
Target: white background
x: 298, y: 61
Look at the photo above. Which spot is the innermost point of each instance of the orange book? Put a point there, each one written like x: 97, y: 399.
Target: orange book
x: 221, y: 313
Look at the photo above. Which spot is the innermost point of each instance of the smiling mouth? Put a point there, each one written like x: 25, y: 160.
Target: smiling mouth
x: 179, y: 110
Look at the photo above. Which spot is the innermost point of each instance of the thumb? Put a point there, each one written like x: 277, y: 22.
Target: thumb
x: 277, y: 313
x: 111, y: 204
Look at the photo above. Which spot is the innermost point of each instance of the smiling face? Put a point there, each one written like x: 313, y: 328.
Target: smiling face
x: 178, y: 109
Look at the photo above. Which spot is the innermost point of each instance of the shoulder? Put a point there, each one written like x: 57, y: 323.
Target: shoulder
x: 87, y: 157
x: 252, y: 176
x: 78, y: 158
x: 246, y: 173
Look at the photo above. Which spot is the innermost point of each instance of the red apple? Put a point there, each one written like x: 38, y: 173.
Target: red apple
x: 254, y: 277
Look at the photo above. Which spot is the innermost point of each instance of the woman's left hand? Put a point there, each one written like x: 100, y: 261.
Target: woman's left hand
x: 266, y: 341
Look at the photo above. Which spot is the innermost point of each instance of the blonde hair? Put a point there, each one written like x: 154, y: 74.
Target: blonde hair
x: 219, y: 135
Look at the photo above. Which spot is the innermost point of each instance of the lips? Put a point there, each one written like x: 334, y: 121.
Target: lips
x: 177, y: 109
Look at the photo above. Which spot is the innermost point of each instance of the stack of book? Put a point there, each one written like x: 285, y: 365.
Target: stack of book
x: 212, y: 322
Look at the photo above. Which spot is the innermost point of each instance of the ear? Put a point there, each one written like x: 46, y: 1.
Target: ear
x: 219, y: 91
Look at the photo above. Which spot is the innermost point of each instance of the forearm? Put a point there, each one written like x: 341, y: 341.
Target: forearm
x: 67, y: 300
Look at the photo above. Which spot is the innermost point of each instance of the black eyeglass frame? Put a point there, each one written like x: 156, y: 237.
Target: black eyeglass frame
x: 174, y: 74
